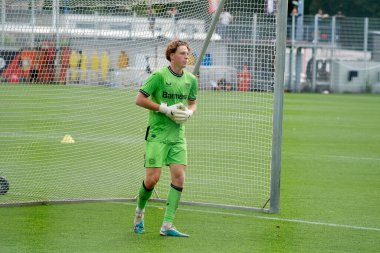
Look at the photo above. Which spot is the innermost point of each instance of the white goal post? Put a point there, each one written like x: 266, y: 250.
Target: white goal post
x: 69, y: 73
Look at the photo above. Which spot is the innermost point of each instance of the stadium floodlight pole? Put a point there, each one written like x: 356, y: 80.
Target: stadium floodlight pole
x: 278, y: 106
x: 208, y: 37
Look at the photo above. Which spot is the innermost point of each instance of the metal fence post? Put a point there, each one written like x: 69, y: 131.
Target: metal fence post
x: 315, y: 42
x: 3, y: 13
x: 333, y: 38
x: 365, y: 47
x: 290, y: 79
x: 299, y: 30
x: 33, y: 21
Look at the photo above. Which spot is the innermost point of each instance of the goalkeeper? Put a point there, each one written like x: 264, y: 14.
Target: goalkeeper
x: 170, y: 96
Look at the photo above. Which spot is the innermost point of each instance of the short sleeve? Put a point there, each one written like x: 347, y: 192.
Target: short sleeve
x: 151, y: 84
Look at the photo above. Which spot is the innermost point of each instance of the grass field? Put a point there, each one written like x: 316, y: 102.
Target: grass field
x: 330, y: 188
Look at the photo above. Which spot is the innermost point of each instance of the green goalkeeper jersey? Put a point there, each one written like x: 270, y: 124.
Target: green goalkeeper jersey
x: 165, y: 86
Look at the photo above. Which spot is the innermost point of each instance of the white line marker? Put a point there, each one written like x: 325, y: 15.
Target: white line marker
x: 300, y: 155
x: 271, y: 218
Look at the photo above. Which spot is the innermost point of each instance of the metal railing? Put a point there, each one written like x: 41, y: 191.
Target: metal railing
x: 315, y: 45
x: 318, y: 44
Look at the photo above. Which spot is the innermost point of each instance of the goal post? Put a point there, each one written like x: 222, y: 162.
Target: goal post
x: 69, y: 74
x: 278, y: 107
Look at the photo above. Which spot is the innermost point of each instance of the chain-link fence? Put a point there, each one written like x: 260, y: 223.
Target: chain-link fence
x: 333, y: 54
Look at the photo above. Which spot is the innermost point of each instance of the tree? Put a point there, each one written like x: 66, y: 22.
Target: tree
x: 353, y: 8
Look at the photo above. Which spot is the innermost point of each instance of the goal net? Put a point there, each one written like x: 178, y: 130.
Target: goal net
x: 70, y: 72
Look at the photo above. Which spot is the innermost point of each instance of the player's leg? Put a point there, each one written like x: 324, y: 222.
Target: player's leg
x: 154, y: 157
x: 177, y: 159
x: 174, y: 196
x: 152, y: 175
x: 145, y: 192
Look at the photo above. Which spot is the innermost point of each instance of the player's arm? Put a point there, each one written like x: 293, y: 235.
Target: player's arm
x: 182, y: 115
x: 192, y: 105
x: 143, y: 100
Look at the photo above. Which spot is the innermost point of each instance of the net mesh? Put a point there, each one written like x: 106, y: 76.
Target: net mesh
x: 70, y: 71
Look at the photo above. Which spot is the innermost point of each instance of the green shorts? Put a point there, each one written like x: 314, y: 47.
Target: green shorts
x: 158, y: 154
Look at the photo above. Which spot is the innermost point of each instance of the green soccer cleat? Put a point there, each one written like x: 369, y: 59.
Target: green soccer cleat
x: 172, y: 231
x: 139, y: 227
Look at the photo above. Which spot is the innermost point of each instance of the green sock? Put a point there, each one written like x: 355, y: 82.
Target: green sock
x: 144, y: 195
x: 172, y: 203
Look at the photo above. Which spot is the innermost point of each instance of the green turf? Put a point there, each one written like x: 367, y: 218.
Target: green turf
x: 329, y: 190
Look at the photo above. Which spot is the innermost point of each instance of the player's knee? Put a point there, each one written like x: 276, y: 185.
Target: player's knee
x: 150, y: 182
x: 178, y: 179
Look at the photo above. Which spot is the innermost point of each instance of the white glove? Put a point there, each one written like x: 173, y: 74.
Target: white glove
x: 168, y: 110
x: 181, y: 116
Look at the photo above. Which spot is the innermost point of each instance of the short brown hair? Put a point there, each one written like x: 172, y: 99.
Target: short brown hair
x: 173, y: 45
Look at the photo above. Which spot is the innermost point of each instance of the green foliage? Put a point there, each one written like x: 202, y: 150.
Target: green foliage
x: 352, y: 8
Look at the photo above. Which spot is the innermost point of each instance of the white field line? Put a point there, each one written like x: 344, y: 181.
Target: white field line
x: 300, y: 155
x: 269, y: 218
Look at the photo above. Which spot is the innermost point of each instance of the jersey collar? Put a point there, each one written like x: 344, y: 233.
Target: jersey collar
x: 175, y: 74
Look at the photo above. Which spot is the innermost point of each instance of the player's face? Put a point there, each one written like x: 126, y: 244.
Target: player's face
x: 180, y: 57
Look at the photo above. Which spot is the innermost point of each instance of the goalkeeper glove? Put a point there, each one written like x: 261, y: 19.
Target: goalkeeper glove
x: 181, y: 116
x: 168, y: 110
